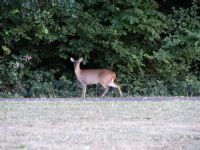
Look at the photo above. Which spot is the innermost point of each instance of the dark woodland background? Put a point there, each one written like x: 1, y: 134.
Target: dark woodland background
x: 153, y: 46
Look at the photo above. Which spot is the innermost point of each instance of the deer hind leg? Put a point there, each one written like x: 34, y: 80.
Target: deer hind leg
x: 106, y: 90
x: 113, y: 84
x: 105, y: 86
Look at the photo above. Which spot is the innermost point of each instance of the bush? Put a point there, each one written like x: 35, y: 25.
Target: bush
x: 178, y: 57
x: 152, y: 54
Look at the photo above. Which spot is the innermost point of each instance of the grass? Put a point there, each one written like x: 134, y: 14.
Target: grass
x: 99, y: 125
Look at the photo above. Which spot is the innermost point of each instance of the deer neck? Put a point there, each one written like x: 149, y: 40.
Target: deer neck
x: 77, y: 70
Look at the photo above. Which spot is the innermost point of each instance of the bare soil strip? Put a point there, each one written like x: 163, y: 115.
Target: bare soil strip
x: 156, y: 98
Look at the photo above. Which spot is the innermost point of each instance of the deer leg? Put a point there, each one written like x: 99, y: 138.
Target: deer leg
x: 106, y: 90
x: 113, y: 84
x: 84, y: 87
x: 120, y: 91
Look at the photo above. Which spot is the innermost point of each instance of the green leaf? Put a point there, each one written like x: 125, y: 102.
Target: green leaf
x: 6, y: 50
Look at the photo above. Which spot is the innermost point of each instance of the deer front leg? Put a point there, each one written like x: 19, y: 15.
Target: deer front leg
x: 84, y: 87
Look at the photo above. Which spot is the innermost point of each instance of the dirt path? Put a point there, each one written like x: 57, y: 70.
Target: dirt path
x: 159, y: 98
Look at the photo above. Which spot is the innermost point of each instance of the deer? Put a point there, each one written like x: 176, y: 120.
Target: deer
x: 86, y: 77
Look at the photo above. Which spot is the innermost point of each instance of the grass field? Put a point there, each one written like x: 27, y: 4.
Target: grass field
x: 96, y: 125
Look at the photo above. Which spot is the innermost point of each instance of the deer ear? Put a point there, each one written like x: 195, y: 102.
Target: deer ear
x: 72, y: 59
x: 80, y: 60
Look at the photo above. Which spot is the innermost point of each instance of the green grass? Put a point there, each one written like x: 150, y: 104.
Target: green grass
x: 100, y: 125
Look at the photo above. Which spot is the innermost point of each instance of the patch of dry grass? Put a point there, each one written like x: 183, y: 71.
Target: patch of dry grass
x: 100, y: 125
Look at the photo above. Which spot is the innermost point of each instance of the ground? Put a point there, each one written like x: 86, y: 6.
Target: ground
x: 131, y: 124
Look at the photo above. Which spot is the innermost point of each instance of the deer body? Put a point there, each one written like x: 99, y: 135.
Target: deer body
x: 86, y: 77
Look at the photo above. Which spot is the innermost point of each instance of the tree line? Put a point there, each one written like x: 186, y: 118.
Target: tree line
x: 153, y: 52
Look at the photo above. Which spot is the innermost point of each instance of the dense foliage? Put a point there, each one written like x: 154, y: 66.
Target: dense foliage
x: 152, y: 53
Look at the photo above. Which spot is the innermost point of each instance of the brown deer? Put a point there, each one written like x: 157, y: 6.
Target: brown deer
x: 86, y: 77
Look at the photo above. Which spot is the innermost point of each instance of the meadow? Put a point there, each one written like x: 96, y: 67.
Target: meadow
x: 98, y: 124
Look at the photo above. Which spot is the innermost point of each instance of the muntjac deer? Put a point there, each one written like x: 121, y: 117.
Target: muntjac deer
x: 94, y: 76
